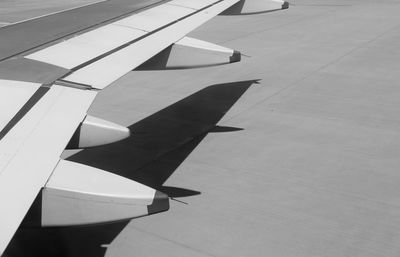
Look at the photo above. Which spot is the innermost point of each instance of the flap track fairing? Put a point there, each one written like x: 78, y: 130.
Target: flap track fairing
x: 191, y: 53
x: 77, y: 194
x: 95, y: 132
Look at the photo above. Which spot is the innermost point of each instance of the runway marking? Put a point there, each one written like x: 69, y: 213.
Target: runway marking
x: 4, y: 23
x: 57, y: 12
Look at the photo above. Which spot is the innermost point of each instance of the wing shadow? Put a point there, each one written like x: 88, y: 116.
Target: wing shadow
x: 162, y: 141
x: 158, y: 145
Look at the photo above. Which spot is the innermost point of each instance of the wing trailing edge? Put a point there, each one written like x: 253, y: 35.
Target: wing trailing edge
x: 31, y: 149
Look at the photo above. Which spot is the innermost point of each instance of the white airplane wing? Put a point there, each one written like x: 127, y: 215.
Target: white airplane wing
x: 42, y: 122
x: 51, y: 69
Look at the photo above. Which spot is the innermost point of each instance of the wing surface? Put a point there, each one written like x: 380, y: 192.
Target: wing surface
x: 48, y: 82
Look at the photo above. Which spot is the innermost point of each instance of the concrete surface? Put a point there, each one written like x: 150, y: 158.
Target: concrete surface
x: 315, y: 170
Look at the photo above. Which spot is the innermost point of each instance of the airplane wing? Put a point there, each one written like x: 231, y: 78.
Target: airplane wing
x: 51, y: 69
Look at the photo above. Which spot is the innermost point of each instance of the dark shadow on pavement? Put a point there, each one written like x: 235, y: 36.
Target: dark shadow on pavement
x: 158, y: 145
x: 218, y: 129
x: 151, y: 154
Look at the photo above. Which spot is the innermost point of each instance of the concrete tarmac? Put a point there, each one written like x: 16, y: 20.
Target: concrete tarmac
x: 314, y: 170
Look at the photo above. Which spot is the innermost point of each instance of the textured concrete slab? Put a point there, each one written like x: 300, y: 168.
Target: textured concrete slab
x: 314, y: 172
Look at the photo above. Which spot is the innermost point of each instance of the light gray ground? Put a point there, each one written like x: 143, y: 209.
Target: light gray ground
x: 316, y: 170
